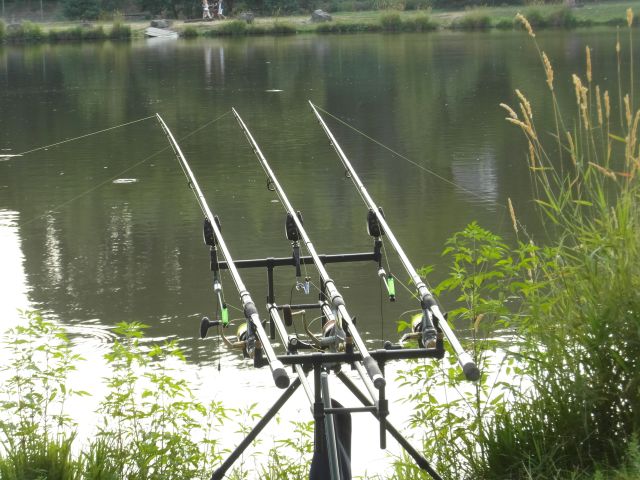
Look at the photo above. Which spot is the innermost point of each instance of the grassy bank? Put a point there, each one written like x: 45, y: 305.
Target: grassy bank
x: 484, y: 18
x: 566, y: 401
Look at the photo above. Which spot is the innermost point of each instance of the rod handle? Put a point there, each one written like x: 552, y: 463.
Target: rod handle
x: 280, y: 375
x: 469, y: 368
x: 374, y: 372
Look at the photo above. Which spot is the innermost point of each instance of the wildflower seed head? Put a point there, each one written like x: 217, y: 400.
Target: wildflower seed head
x: 577, y: 83
x: 627, y: 109
x: 532, y: 156
x: 509, y: 110
x: 572, y: 149
x: 513, y: 216
x: 522, y: 19
x: 629, y: 17
x: 599, y: 105
x: 605, y: 171
x: 607, y: 104
x: 548, y: 70
x: 526, y: 106
x: 588, y: 50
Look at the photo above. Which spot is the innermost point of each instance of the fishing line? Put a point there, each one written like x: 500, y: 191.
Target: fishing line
x: 86, y: 135
x: 399, y: 155
x: 119, y: 174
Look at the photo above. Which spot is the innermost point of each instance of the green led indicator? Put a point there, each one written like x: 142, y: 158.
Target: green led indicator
x: 225, y: 316
x: 391, y: 286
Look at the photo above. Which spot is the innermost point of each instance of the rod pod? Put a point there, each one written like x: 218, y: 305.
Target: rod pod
x: 428, y: 303
x: 371, y: 366
x: 278, y: 371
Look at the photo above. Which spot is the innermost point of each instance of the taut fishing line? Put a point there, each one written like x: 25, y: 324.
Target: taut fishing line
x: 119, y: 174
x: 85, y: 136
x: 403, y: 157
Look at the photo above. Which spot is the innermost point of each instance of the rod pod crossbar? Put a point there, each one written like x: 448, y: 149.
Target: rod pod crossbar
x: 280, y: 376
x: 336, y: 299
x: 428, y: 303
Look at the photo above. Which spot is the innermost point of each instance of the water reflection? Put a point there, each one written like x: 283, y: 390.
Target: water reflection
x: 14, y: 288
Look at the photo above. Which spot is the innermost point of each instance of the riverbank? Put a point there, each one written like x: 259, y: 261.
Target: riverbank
x: 482, y: 18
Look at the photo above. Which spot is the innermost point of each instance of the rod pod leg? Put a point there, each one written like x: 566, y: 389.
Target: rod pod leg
x: 417, y: 456
x: 330, y: 431
x: 219, y: 473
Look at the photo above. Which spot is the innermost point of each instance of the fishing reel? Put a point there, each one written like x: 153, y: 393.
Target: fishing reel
x: 244, y: 341
x: 419, y: 334
x: 332, y: 337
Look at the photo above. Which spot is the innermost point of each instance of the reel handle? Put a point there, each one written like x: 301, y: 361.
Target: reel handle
x: 206, y: 324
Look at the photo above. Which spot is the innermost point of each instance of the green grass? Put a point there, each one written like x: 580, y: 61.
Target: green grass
x: 579, y: 336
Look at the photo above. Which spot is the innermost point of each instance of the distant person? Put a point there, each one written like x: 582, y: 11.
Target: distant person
x: 220, y: 15
x: 205, y: 10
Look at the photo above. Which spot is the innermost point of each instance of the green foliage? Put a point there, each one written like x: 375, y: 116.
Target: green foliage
x: 580, y: 338
x: 558, y: 18
x: 504, y: 24
x: 120, y: 31
x: 419, y: 23
x: 295, y: 467
x: 234, y: 27
x: 347, y: 27
x: 485, y: 277
x: 27, y: 32
x: 283, y: 28
x: 34, y: 427
x: 151, y: 418
x: 81, y: 9
x: 96, y: 33
x: 189, y: 32
x: 43, y: 459
x: 391, y: 22
x: 2, y: 31
x: 562, y: 18
x: 472, y: 21
x: 70, y: 34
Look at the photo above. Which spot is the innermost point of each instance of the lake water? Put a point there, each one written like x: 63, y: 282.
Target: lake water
x: 103, y: 229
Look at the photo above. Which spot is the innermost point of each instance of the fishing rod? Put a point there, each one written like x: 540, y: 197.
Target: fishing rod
x: 296, y: 231
x: 430, y: 308
x: 213, y: 238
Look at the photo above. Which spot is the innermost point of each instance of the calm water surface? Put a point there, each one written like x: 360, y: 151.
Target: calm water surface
x: 103, y: 229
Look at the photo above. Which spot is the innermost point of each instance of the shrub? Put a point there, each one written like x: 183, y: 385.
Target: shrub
x: 420, y: 23
x: 234, y: 27
x: 391, y: 22
x: 580, y: 338
x: 504, y: 24
x: 189, y: 32
x: 74, y: 33
x: 257, y: 30
x: 563, y: 18
x: 96, y: 33
x: 2, y: 31
x: 120, y: 31
x: 26, y: 32
x: 472, y: 21
x: 283, y: 28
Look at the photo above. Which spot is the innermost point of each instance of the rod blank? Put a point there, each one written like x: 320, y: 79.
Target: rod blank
x: 428, y: 302
x: 280, y: 376
x: 332, y: 292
